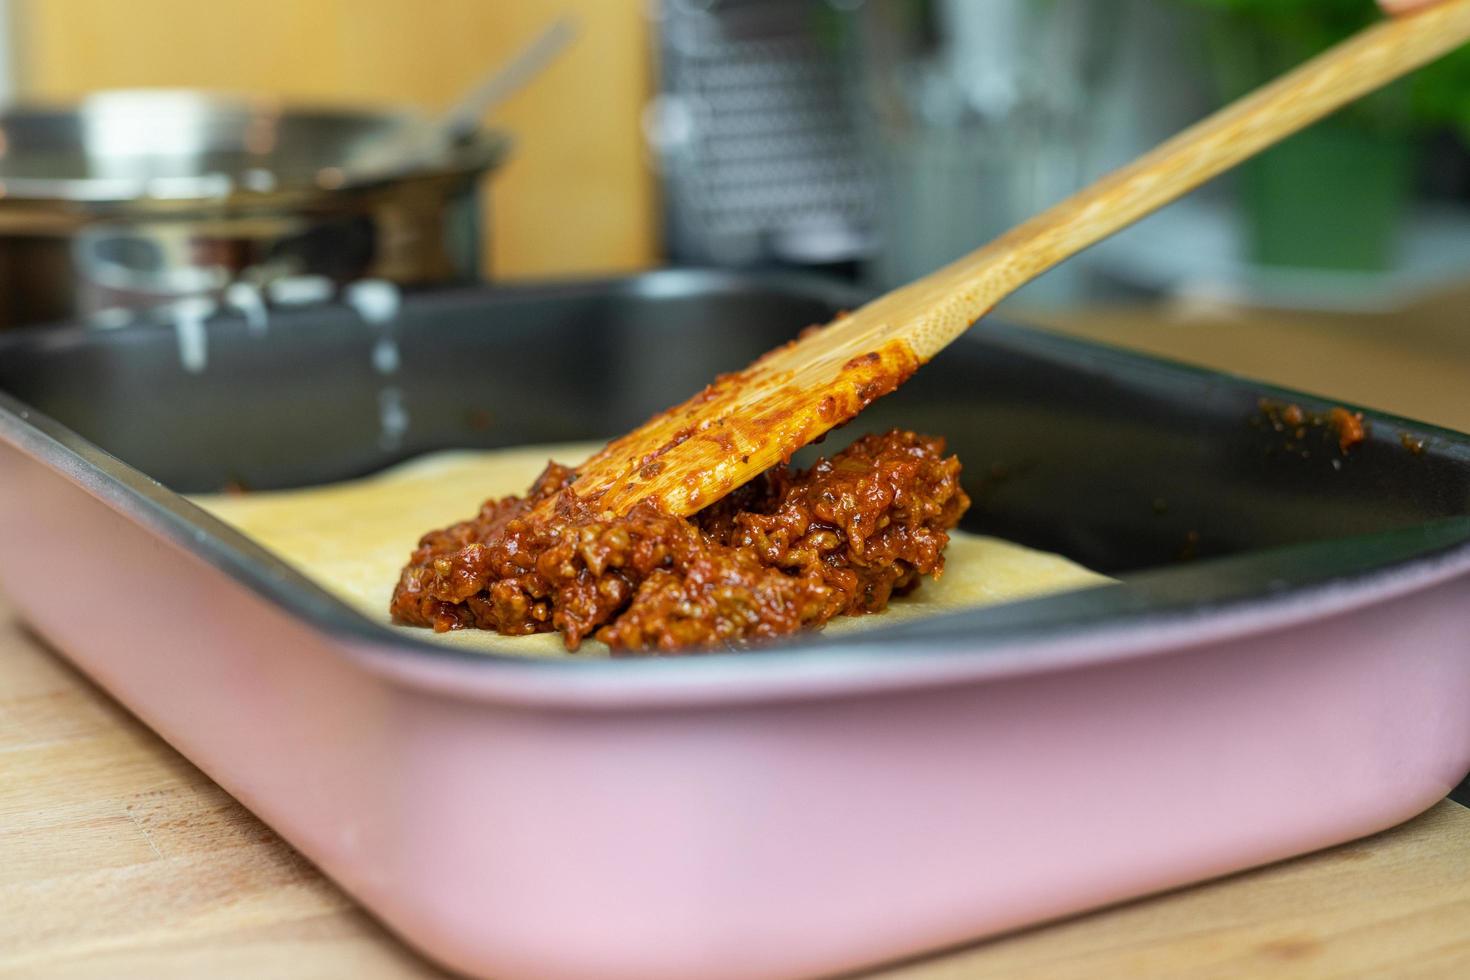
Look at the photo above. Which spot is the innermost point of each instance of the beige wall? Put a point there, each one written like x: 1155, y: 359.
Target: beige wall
x: 575, y: 199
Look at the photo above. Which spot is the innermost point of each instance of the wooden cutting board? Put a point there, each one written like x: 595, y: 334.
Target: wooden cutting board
x: 118, y: 859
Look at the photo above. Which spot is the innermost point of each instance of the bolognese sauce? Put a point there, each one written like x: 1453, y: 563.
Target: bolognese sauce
x: 787, y: 551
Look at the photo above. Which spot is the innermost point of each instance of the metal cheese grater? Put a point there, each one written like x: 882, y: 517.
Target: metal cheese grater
x: 756, y: 142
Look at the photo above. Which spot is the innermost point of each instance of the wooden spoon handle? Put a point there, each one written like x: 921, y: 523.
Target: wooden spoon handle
x: 934, y: 310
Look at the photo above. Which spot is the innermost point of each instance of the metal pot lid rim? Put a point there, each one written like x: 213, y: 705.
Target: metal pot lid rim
x: 125, y: 110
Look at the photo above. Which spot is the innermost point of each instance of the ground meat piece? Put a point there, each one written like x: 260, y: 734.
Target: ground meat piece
x: 1349, y: 426
x: 788, y: 550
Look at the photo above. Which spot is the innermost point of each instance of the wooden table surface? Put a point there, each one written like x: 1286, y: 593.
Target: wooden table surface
x: 119, y: 859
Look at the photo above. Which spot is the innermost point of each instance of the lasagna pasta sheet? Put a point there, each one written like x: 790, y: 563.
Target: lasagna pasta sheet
x: 353, y: 538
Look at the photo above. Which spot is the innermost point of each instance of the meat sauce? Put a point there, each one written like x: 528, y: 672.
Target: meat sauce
x: 787, y: 551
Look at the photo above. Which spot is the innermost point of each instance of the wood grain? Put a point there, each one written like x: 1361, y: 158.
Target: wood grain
x: 121, y: 860
x: 742, y: 425
x: 577, y: 195
x: 1413, y: 364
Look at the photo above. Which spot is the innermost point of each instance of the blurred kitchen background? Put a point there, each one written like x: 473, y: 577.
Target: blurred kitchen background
x: 867, y: 139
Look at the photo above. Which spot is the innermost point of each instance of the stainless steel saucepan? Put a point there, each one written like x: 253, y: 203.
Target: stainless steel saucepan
x: 132, y: 199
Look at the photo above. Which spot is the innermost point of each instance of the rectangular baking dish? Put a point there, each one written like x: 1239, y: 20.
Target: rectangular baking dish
x: 1284, y: 666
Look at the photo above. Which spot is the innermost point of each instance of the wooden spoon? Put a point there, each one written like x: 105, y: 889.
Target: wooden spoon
x: 743, y: 423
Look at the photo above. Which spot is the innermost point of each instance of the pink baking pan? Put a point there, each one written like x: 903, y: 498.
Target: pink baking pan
x: 1284, y: 665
